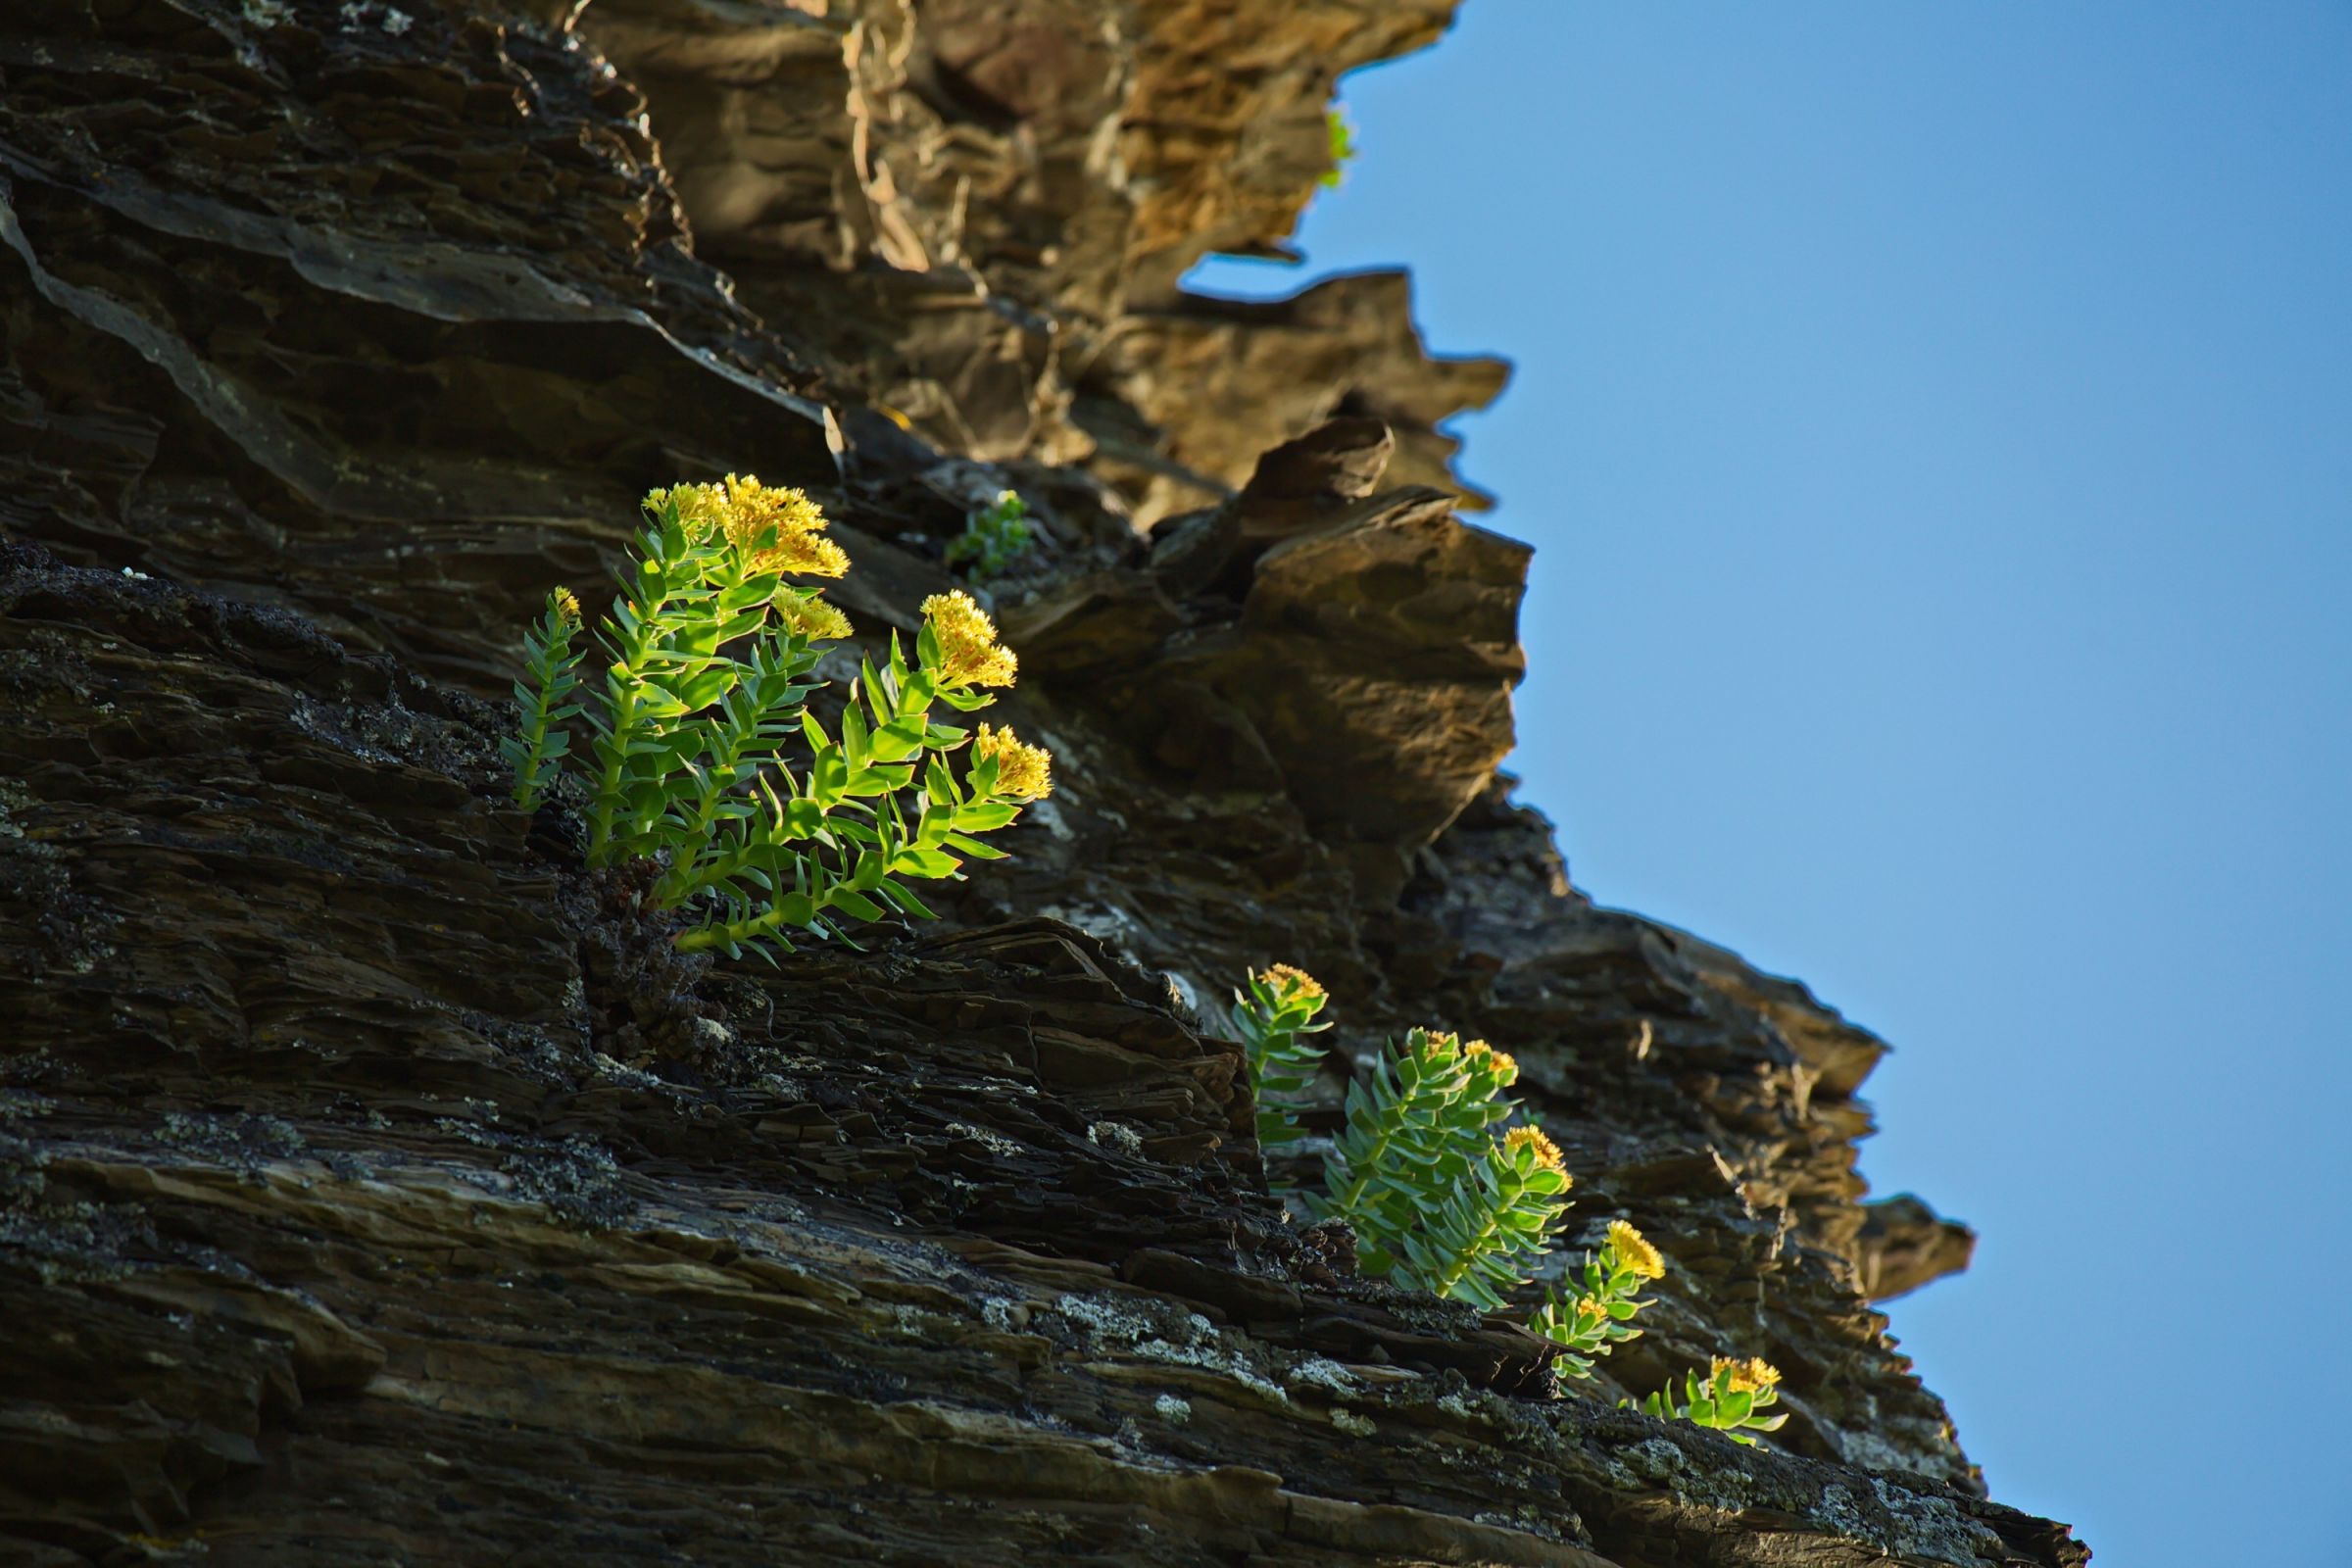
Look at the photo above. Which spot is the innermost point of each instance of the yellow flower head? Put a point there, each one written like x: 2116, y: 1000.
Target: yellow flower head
x: 968, y: 654
x: 1547, y: 1154
x: 810, y: 616
x: 1288, y: 983
x: 1588, y: 1307
x: 567, y: 607
x: 781, y: 530
x: 701, y: 507
x: 1499, y: 1065
x: 1751, y: 1376
x: 1024, y: 772
x: 1633, y: 1251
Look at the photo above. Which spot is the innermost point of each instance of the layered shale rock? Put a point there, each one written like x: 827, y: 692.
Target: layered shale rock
x: 377, y: 1186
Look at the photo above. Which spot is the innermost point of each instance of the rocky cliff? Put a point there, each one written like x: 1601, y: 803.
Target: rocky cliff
x: 377, y: 1186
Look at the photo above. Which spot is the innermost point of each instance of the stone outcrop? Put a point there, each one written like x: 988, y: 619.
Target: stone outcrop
x: 377, y: 1186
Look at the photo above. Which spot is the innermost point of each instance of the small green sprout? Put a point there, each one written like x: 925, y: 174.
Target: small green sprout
x: 992, y: 539
x: 1340, y: 137
x: 1728, y: 1400
x: 1598, y: 1318
x: 536, y: 753
x: 710, y: 659
x: 1278, y: 1005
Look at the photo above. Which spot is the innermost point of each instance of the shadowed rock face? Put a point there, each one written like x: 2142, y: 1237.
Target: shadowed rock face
x: 377, y: 1186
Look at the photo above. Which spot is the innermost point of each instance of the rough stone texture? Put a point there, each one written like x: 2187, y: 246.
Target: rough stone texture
x: 1903, y: 1245
x: 378, y: 1187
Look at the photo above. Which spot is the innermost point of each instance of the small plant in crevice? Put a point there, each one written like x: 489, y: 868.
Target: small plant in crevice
x: 1730, y: 1399
x: 993, y: 538
x: 710, y: 658
x: 1435, y: 1198
x: 1490, y: 1234
x: 1438, y: 1200
x: 1594, y: 1319
x: 1277, y: 1007
x: 550, y: 679
x: 1340, y: 138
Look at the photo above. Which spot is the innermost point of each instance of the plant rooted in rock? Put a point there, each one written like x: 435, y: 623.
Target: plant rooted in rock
x: 1594, y: 1319
x: 1278, y: 1006
x: 1730, y: 1398
x: 1485, y: 1239
x: 711, y: 658
x: 551, y: 677
x: 1435, y: 1199
x: 992, y: 539
x: 1340, y: 137
x: 1439, y: 1201
x: 1418, y: 1141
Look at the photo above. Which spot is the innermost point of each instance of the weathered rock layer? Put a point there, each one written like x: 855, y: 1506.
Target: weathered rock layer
x: 377, y: 1186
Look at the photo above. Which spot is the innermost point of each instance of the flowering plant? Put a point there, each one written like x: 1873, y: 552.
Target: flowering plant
x: 1600, y: 1317
x: 711, y: 657
x: 1439, y: 1201
x: 1417, y: 1162
x: 1482, y: 1240
x: 1730, y: 1398
x: 1278, y: 1005
x: 536, y: 750
x: 1435, y: 1199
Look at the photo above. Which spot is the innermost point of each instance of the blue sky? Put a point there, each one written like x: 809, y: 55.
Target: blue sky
x: 1935, y: 424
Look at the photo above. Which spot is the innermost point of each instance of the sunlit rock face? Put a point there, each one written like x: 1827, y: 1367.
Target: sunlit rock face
x: 377, y: 1186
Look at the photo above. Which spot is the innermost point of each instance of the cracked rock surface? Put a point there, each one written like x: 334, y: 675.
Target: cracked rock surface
x: 379, y: 1187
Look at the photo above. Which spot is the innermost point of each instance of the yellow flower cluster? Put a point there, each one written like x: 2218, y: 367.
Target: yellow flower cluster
x: 1023, y: 772
x: 1751, y: 1376
x: 811, y: 616
x: 1286, y: 982
x: 567, y: 605
x: 1547, y: 1154
x: 1499, y: 1066
x: 968, y: 654
x: 782, y: 530
x: 701, y: 507
x: 1634, y: 1251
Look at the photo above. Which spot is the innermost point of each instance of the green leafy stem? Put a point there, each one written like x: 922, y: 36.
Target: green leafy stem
x: 710, y: 658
